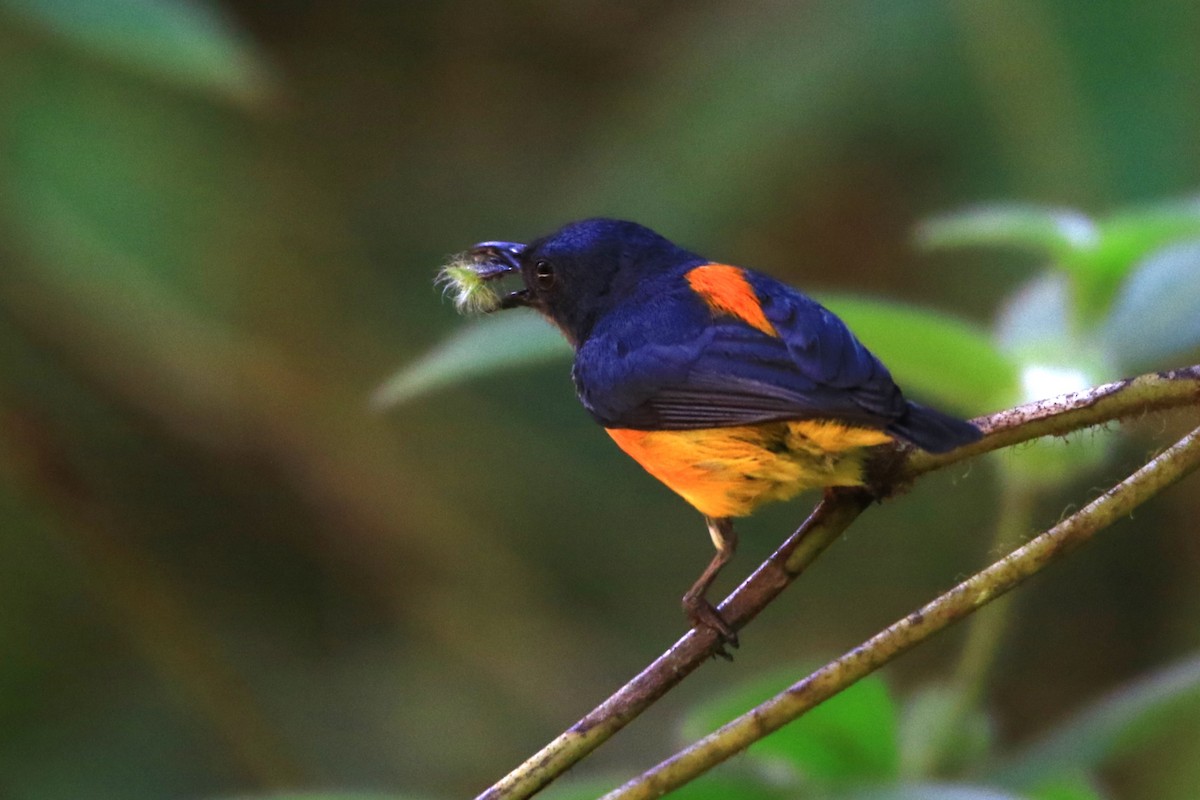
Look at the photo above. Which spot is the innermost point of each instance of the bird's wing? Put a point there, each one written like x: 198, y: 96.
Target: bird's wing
x: 692, y: 368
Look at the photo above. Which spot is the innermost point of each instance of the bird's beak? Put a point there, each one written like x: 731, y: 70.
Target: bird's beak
x: 496, y: 260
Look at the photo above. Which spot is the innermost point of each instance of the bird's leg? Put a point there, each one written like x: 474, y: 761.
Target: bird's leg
x: 701, y: 612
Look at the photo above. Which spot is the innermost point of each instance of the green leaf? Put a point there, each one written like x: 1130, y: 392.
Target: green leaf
x: 492, y: 344
x: 932, y: 355
x: 1033, y: 329
x: 850, y: 737
x: 1060, y: 234
x: 179, y: 41
x: 1034, y: 323
x: 928, y: 791
x: 1156, y: 316
x: 1097, y: 255
x: 1128, y: 237
x: 1068, y: 787
x: 1124, y: 719
x: 1125, y: 240
x: 86, y: 154
x: 1072, y: 241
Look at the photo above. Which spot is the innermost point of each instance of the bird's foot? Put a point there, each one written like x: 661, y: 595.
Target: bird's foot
x: 882, y: 471
x: 702, y: 615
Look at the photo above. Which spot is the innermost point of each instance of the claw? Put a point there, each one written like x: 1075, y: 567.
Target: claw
x: 701, y: 612
x: 703, y: 615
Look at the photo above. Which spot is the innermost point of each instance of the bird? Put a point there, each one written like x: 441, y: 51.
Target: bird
x: 729, y: 386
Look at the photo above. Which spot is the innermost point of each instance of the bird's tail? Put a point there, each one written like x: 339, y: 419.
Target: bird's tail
x: 932, y: 430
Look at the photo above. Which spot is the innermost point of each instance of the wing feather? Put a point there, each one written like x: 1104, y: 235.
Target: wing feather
x: 689, y: 370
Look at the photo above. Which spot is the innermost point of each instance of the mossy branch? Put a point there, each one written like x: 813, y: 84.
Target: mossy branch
x: 1055, y: 416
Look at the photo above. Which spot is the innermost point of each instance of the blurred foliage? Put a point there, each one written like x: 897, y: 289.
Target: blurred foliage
x: 849, y: 746
x: 226, y: 576
x: 849, y: 738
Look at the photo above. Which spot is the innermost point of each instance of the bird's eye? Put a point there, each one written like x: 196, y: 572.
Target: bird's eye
x: 544, y: 274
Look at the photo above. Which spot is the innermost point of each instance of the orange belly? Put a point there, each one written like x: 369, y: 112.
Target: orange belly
x: 728, y: 472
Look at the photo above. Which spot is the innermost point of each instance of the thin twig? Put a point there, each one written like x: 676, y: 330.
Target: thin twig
x: 822, y: 527
x: 1059, y: 416
x: 1055, y: 416
x: 983, y: 587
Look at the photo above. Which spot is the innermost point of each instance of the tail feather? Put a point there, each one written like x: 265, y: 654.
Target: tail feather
x: 930, y: 429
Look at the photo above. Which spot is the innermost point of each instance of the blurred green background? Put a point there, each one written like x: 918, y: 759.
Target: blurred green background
x: 222, y: 573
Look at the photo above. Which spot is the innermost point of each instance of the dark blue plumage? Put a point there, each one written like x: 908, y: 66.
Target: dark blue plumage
x: 656, y: 359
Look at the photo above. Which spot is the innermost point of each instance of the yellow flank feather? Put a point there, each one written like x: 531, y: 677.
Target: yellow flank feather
x: 728, y: 472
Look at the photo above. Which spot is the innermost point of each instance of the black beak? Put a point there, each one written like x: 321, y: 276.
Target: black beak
x: 495, y: 260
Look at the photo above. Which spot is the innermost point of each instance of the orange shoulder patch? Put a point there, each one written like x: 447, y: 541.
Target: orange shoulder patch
x: 726, y: 291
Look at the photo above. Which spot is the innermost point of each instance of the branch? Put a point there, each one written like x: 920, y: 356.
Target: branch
x: 900, y: 637
x: 1058, y: 416
x: 1055, y: 416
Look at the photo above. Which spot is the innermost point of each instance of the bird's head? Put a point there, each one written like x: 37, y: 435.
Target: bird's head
x: 573, y: 276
